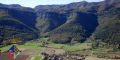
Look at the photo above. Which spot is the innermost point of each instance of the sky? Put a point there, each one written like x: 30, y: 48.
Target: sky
x: 33, y: 3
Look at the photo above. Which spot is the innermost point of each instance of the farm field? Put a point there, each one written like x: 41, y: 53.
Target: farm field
x: 33, y: 50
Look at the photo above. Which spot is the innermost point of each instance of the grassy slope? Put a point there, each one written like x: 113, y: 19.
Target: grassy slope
x: 37, y: 58
x: 76, y: 47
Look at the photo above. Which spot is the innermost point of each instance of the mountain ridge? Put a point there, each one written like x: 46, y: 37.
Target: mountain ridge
x: 71, y: 22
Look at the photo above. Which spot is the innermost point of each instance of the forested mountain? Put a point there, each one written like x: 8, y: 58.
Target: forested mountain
x: 74, y: 22
x: 14, y: 24
x: 108, y: 30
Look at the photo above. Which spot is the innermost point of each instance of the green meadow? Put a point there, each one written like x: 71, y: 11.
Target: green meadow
x: 71, y: 48
x: 37, y: 45
x: 37, y: 58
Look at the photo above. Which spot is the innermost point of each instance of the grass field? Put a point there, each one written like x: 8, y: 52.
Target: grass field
x: 34, y: 48
x: 37, y: 45
x: 101, y: 50
x: 29, y: 45
x: 5, y: 48
x: 37, y: 58
x: 67, y: 47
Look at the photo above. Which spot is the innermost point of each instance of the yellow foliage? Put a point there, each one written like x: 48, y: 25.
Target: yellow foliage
x: 14, y: 40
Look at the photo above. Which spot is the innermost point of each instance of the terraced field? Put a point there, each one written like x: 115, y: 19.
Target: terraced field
x: 33, y: 50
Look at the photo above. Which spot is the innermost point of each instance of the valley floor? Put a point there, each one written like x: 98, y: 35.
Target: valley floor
x: 34, y: 50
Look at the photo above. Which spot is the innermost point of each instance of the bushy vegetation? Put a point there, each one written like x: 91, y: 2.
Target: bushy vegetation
x: 108, y: 30
x: 13, y: 30
x: 74, y: 29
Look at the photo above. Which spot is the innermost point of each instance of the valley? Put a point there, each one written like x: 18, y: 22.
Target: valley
x: 80, y: 30
x: 34, y: 50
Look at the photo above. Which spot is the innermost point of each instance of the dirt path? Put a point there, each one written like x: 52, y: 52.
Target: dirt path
x: 37, y: 52
x: 22, y: 49
x: 22, y: 57
x: 32, y: 58
x: 28, y: 54
x: 94, y: 58
x: 31, y: 52
x: 51, y: 51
